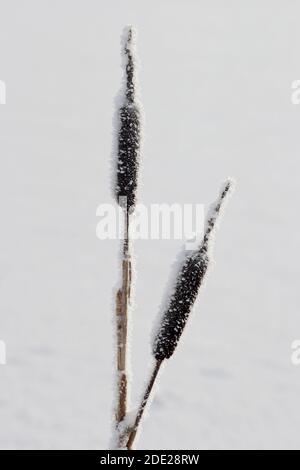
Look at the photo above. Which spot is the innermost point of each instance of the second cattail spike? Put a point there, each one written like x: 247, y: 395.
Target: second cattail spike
x: 189, y: 280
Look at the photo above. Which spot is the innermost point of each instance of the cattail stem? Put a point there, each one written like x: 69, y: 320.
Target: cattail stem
x: 122, y: 308
x: 143, y: 405
x: 126, y: 181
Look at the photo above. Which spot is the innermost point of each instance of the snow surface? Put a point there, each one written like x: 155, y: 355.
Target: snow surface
x: 216, y: 88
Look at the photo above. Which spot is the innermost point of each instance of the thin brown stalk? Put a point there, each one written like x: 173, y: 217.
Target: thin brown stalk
x: 122, y: 308
x: 143, y: 405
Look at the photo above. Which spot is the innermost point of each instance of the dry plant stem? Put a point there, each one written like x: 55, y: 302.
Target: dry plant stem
x: 143, y: 405
x: 122, y: 307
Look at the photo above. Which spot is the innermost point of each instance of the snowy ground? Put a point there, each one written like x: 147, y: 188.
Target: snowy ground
x: 216, y: 83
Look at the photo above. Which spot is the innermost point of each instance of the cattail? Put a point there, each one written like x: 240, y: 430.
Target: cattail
x: 189, y: 281
x: 128, y: 152
x: 192, y: 271
x: 129, y: 132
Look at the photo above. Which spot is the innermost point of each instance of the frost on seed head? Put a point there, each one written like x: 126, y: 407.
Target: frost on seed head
x: 190, y: 275
x: 127, y: 126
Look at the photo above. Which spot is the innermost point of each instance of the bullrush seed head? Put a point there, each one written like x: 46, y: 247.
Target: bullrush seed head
x: 189, y: 280
x: 128, y: 154
x: 174, y: 320
x: 129, y: 132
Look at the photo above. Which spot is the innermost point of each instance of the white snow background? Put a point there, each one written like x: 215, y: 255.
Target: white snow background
x: 215, y: 83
